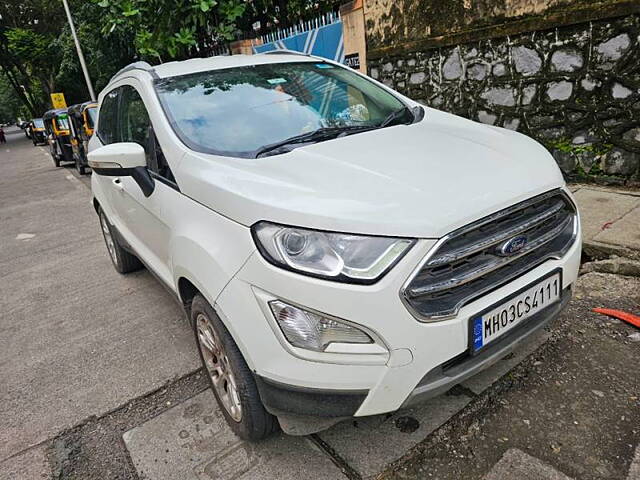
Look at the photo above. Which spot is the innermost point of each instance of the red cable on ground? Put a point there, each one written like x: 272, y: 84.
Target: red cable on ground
x: 619, y: 314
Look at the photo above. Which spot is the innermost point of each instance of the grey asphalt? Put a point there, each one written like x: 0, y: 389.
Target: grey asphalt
x: 76, y: 338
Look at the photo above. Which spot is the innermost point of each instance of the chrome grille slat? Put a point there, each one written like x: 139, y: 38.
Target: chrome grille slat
x: 515, y: 230
x: 467, y: 263
x: 490, y: 265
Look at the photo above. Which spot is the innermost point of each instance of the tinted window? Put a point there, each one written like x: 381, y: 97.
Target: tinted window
x: 134, y: 119
x: 107, y: 128
x: 135, y: 127
x: 236, y: 111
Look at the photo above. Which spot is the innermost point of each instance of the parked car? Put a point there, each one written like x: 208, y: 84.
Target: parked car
x: 56, y: 124
x: 82, y: 120
x: 340, y: 250
x: 37, y: 132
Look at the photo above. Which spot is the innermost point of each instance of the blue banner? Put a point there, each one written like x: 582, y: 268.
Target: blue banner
x: 325, y: 41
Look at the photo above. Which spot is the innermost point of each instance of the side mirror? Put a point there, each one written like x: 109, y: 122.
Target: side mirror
x: 121, y: 160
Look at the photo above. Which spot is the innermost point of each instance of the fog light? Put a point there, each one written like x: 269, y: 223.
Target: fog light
x: 312, y: 331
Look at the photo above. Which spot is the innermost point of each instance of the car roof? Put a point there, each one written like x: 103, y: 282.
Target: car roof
x: 195, y: 65
x: 54, y: 113
x: 78, y: 108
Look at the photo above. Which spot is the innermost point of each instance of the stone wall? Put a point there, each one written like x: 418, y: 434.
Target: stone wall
x: 575, y: 88
x: 405, y: 22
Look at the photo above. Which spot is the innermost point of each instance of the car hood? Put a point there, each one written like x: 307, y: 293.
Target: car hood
x: 422, y: 180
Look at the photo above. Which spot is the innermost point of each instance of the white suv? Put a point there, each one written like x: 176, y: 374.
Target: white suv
x: 339, y: 249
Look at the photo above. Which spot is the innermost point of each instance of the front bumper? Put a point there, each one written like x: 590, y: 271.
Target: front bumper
x: 443, y: 377
x: 421, y: 359
x: 280, y: 399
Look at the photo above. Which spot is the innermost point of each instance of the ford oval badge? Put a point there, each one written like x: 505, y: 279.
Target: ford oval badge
x: 512, y: 246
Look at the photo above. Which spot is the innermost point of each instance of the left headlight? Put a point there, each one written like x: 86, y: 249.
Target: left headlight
x: 336, y: 256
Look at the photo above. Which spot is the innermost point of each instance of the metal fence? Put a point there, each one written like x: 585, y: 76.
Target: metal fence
x: 321, y: 37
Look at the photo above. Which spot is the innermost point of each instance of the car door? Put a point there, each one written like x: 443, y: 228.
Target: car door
x: 142, y: 217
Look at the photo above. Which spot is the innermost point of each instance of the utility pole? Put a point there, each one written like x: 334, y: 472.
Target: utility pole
x: 80, y: 55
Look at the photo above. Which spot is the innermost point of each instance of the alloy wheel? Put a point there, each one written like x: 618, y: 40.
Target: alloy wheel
x: 218, y: 367
x: 108, y: 238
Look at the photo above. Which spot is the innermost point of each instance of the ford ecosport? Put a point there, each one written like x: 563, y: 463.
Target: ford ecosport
x: 339, y: 249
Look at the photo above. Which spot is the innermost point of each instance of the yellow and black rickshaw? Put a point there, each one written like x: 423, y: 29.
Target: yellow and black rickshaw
x: 38, y: 134
x: 82, y: 121
x: 56, y: 124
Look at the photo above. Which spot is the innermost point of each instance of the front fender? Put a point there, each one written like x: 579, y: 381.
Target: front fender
x: 208, y: 250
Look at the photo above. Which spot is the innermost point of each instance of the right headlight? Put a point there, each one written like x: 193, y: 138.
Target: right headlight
x: 335, y: 256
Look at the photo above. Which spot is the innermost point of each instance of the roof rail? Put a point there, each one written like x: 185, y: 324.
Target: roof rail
x: 280, y: 51
x: 133, y: 66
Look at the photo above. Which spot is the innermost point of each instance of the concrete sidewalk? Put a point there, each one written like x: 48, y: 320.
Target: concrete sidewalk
x: 76, y: 338
x: 610, y: 221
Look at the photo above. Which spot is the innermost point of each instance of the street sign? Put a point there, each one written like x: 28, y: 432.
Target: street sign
x: 58, y: 101
x: 352, y: 60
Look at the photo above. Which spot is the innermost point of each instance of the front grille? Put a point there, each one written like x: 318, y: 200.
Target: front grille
x: 469, y: 261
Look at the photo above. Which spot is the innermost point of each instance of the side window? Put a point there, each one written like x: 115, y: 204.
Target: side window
x: 135, y: 126
x: 107, y: 128
x: 134, y: 119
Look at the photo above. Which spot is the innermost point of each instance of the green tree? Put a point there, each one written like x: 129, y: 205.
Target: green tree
x: 27, y: 57
x: 38, y: 56
x: 283, y: 13
x: 11, y: 107
x: 173, y: 29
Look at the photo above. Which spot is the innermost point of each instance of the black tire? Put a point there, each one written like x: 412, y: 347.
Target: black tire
x: 82, y: 170
x: 123, y: 261
x: 56, y: 161
x: 255, y: 422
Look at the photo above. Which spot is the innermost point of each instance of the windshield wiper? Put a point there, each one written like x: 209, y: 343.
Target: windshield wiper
x: 321, y: 134
x: 416, y: 114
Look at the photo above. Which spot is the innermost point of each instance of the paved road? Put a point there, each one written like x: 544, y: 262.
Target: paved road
x: 76, y: 338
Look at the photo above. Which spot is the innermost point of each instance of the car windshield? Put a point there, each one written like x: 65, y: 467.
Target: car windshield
x: 238, y: 111
x: 38, y: 123
x: 92, y: 112
x: 62, y: 122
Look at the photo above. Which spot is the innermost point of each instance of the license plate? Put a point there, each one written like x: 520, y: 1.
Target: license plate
x: 494, y: 323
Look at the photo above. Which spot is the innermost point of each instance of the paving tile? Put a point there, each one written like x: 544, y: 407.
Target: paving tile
x: 368, y: 444
x: 599, y: 207
x: 193, y: 442
x: 517, y: 465
x: 625, y: 232
x: 483, y: 380
x: 30, y: 465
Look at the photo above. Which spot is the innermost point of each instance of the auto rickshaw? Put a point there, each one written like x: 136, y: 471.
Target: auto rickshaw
x: 38, y: 134
x: 82, y: 121
x: 56, y: 124
x: 24, y: 126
